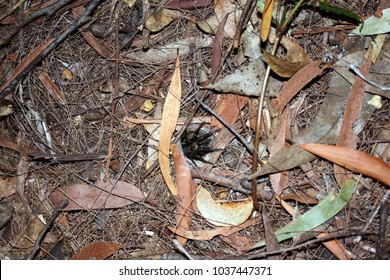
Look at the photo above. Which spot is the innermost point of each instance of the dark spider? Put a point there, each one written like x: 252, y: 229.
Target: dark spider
x: 196, y: 143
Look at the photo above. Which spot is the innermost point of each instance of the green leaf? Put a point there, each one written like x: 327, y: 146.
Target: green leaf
x: 316, y: 216
x: 339, y: 11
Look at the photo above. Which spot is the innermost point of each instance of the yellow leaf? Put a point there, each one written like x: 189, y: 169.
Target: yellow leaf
x: 168, y: 123
x: 66, y: 75
x: 147, y: 106
x: 130, y: 3
x: 266, y: 19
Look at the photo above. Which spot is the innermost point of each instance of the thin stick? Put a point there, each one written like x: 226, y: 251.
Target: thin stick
x: 46, y: 228
x: 230, y: 128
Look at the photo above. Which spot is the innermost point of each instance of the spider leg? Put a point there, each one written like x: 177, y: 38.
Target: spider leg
x: 205, y: 136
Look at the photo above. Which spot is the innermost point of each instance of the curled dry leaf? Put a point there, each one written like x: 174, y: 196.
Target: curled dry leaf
x: 283, y: 67
x: 97, y: 251
x: 210, y: 234
x: 222, y: 213
x: 354, y: 160
x: 105, y: 195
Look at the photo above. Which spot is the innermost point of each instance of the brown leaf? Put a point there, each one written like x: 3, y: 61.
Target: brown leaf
x: 296, y: 83
x: 335, y: 247
x: 295, y: 53
x: 283, y: 67
x: 34, y: 227
x: 96, y: 45
x: 184, y: 191
x: 104, y: 195
x: 158, y: 20
x: 228, y: 108
x: 26, y: 62
x: 216, y: 57
x: 266, y: 19
x: 354, y: 160
x: 97, y: 251
x: 299, y: 196
x: 352, y: 112
x: 238, y: 242
x: 271, y: 242
x: 8, y: 143
x: 51, y: 87
x: 228, y: 7
x: 188, y: 4
x: 168, y: 124
x: 8, y: 186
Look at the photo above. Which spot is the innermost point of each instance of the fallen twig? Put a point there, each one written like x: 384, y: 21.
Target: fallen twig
x: 45, y: 229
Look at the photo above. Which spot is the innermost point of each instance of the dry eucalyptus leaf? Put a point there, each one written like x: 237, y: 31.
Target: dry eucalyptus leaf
x: 325, y: 127
x: 169, y: 119
x: 184, y: 192
x: 160, y: 19
x: 246, y: 80
x: 266, y: 19
x: 354, y: 160
x: 169, y: 51
x: 6, y: 211
x: 251, y: 43
x: 97, y: 251
x: 209, y: 25
x: 282, y: 67
x: 222, y: 8
x: 8, y: 186
x: 295, y: 53
x: 222, y: 213
x: 130, y: 3
x: 105, y: 195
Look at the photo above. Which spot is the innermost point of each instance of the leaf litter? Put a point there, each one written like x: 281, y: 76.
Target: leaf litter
x: 143, y: 204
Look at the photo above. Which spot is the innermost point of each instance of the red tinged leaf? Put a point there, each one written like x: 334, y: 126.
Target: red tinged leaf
x: 27, y: 61
x: 51, y: 87
x: 352, y: 113
x: 184, y: 192
x: 216, y: 58
x: 354, y: 160
x: 296, y: 83
x: 97, y: 251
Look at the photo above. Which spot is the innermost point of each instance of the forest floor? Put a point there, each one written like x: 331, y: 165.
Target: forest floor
x: 93, y: 118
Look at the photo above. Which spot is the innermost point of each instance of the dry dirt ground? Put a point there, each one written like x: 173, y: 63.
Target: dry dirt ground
x: 90, y: 127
